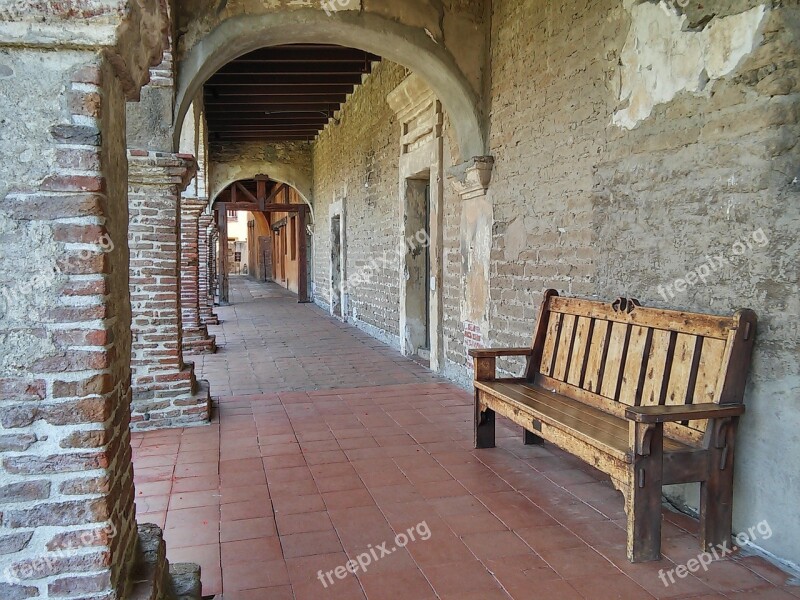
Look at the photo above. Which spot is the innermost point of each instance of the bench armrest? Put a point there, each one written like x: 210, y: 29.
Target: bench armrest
x: 496, y: 352
x: 681, y: 412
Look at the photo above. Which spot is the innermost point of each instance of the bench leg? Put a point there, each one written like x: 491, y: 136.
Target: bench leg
x: 716, y: 493
x: 484, y: 426
x: 531, y: 439
x: 643, y: 500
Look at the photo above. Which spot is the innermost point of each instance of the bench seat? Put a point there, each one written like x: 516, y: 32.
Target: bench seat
x: 604, y: 431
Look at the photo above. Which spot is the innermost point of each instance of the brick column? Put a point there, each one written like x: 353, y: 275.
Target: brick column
x: 165, y: 391
x: 205, y: 256
x: 195, y: 334
x: 67, y: 516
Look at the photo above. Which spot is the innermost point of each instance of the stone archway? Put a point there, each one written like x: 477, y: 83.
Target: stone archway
x: 292, y: 176
x: 408, y: 46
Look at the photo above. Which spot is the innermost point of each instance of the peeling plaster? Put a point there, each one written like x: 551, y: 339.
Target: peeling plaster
x: 661, y: 58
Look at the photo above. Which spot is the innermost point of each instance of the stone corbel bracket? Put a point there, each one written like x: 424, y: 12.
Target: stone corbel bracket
x: 161, y: 168
x: 471, y: 179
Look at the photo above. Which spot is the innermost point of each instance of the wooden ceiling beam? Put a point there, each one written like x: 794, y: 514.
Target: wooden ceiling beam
x: 246, y: 137
x: 312, y: 67
x: 308, y: 53
x: 247, y: 99
x: 267, y: 88
x: 221, y: 79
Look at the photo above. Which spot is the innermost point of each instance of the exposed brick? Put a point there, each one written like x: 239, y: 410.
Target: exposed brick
x: 85, y: 234
x: 87, y: 74
x: 57, y: 513
x: 22, y: 389
x: 73, y: 183
x: 84, y: 103
x: 75, y: 360
x: 18, y: 416
x: 86, y: 410
x: 18, y: 443
x: 64, y: 314
x: 85, y: 288
x: 75, y: 586
x: 82, y: 337
x: 24, y: 492
x: 85, y: 486
x: 55, y: 463
x: 56, y: 564
x: 76, y: 134
x: 84, y: 538
x: 56, y: 207
x: 84, y: 263
x: 85, y: 439
x: 15, y: 542
x: 11, y: 591
x: 77, y: 159
x: 96, y: 384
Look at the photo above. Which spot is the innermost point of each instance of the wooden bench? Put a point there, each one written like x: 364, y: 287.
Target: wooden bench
x: 651, y: 397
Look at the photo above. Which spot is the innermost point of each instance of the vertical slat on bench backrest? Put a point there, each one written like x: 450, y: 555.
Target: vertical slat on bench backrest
x: 550, y: 343
x: 597, y: 352
x: 615, y: 357
x: 681, y: 373
x: 658, y: 365
x: 564, y: 349
x: 709, y: 373
x: 580, y: 351
x: 635, y: 365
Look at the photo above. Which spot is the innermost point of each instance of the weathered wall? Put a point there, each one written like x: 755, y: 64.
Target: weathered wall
x: 357, y: 161
x: 606, y: 185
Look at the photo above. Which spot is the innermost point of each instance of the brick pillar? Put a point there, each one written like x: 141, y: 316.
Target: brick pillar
x: 67, y: 517
x: 195, y: 334
x: 213, y: 263
x: 165, y: 391
x: 205, y: 256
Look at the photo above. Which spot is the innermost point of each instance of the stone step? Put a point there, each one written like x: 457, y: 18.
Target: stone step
x: 153, y: 578
x: 149, y: 579
x: 185, y: 582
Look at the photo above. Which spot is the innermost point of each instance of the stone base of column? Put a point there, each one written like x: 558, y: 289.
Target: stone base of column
x: 175, y: 407
x: 153, y: 577
x: 210, y: 319
x: 198, y: 341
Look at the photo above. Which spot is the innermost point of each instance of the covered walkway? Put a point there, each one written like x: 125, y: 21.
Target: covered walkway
x: 327, y: 444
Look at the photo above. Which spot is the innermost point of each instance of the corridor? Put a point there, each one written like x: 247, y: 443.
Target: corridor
x: 327, y: 444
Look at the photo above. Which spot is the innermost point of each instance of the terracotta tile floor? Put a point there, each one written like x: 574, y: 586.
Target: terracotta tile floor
x: 289, y: 483
x: 270, y: 343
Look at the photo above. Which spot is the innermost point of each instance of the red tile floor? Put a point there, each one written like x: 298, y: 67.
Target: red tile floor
x: 286, y: 485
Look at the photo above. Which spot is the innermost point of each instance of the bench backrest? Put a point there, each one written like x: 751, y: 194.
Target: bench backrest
x: 616, y: 354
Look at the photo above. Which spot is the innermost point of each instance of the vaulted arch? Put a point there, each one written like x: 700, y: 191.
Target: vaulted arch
x: 408, y: 46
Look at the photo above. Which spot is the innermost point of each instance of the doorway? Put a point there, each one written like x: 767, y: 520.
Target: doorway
x: 336, y: 267
x: 417, y: 267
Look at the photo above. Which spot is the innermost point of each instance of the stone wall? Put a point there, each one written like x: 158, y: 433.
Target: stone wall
x: 606, y: 184
x: 356, y: 162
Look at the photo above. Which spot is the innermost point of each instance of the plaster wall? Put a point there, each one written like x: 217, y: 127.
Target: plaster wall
x: 612, y: 181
